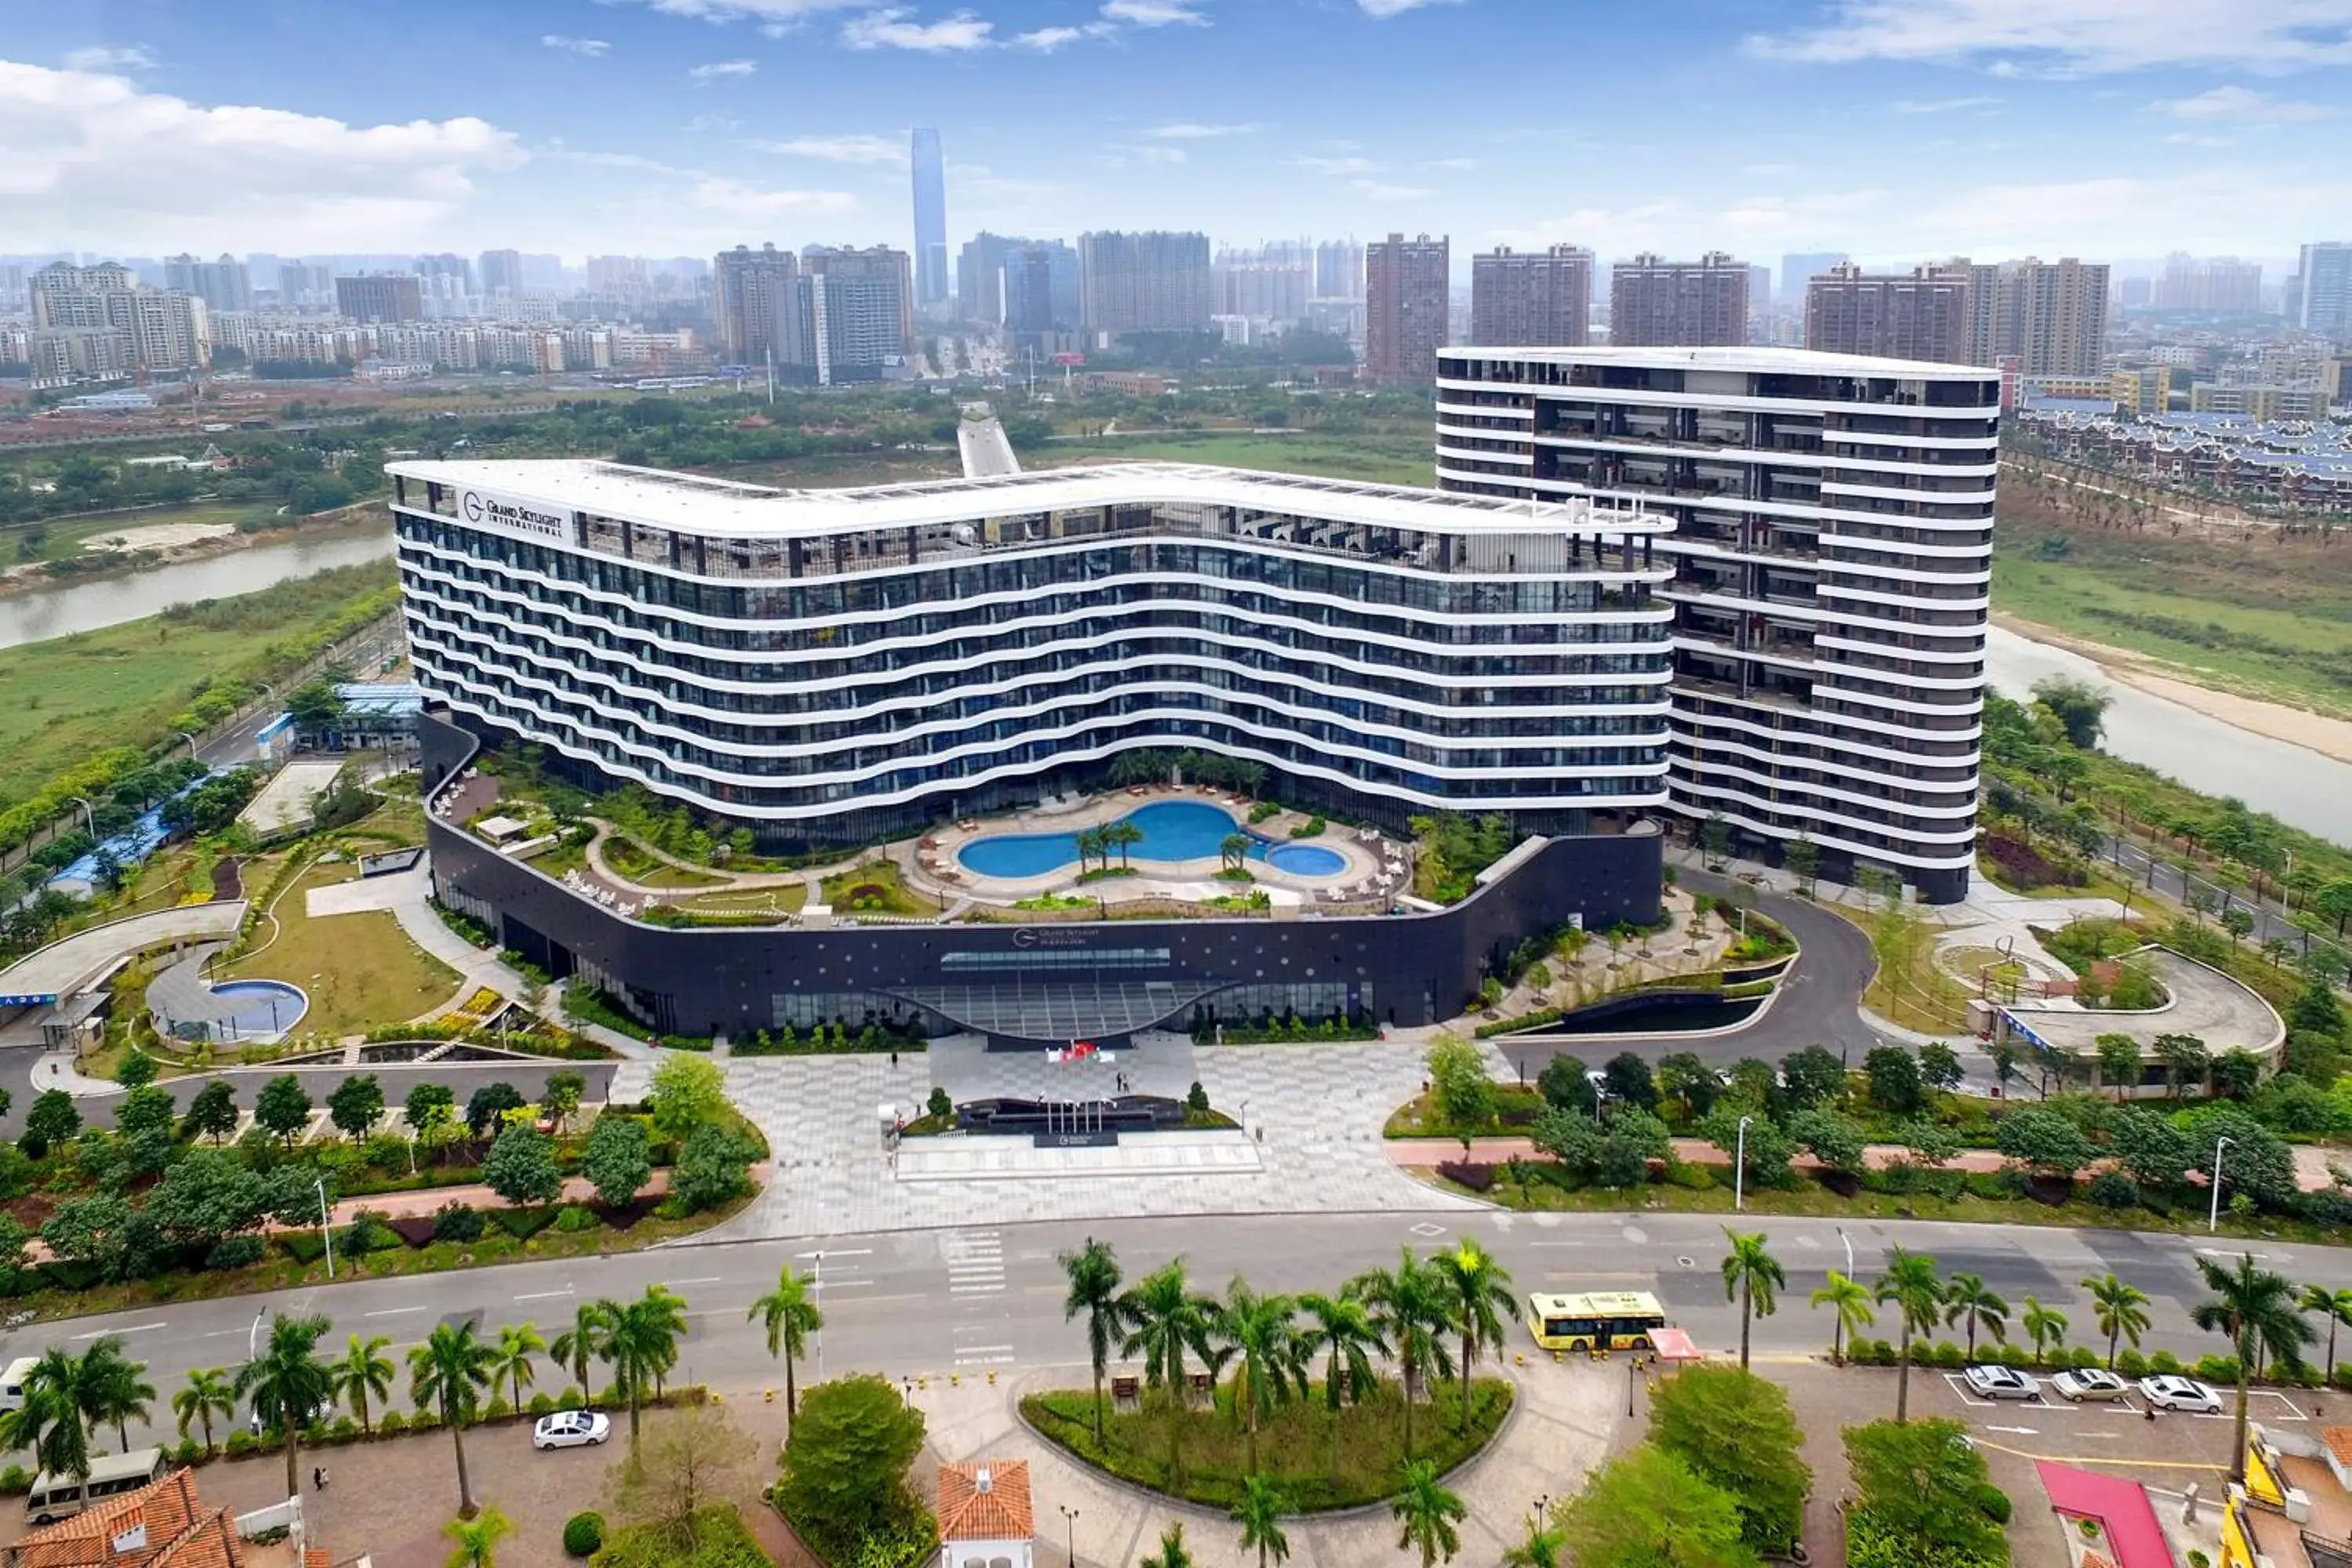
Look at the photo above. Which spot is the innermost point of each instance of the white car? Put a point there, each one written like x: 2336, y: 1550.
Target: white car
x: 2090, y: 1383
x: 570, y: 1429
x: 2169, y: 1393
x: 2001, y: 1383
x: 324, y: 1413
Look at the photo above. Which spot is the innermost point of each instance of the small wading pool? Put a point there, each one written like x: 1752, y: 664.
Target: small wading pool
x: 1172, y: 830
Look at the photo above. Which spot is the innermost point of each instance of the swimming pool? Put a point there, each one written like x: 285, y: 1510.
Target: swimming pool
x: 1172, y: 830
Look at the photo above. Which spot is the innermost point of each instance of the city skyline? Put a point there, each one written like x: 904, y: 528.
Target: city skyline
x: 691, y: 125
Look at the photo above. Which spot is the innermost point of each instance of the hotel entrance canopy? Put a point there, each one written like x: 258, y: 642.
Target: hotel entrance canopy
x: 1061, y: 1011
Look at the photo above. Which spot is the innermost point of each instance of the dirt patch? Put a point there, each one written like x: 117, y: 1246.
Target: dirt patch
x: 157, y: 536
x: 228, y: 879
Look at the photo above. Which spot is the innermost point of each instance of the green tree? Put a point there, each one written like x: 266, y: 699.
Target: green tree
x: 2079, y: 707
x: 1426, y: 1515
x: 1171, y: 1552
x: 1968, y: 1301
x: 207, y: 1392
x: 1259, y: 1513
x: 112, y: 1389
x: 1802, y: 856
x: 356, y: 1105
x: 1458, y: 1078
x: 145, y: 1111
x: 448, y: 1374
x: 1737, y: 1432
x: 561, y: 1096
x: 1411, y: 1313
x: 2255, y: 1308
x: 1811, y: 1077
x: 714, y: 1166
x: 50, y: 1423
x: 1920, y: 1482
x: 512, y: 1362
x: 474, y: 1538
x: 640, y: 1340
x: 845, y: 1463
x: 2044, y: 1140
x: 521, y: 1166
x: 789, y: 1316
x: 1341, y: 1330
x: 1909, y: 1284
x: 1648, y: 1508
x: 1689, y: 1083
x: 1750, y: 1276
x: 1480, y: 1300
x: 288, y: 1384
x: 2235, y: 1072
x: 1850, y: 1299
x: 1257, y: 1335
x: 1544, y: 1546
x: 429, y: 1107
x: 1895, y: 1086
x: 2046, y: 1326
x: 1164, y: 1317
x: 282, y: 1108
x: 487, y: 1107
x: 1565, y: 1088
x: 584, y: 1342
x: 2119, y: 1308
x: 2186, y: 1062
x: 212, y: 1113
x: 52, y: 1119
x: 362, y: 1375
x: 2118, y: 1063
x: 1837, y: 1142
x: 616, y: 1160
x: 1939, y: 1065
x: 2334, y: 1308
x: 137, y: 1071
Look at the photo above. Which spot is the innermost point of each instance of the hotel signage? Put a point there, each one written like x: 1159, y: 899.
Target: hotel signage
x: 514, y: 516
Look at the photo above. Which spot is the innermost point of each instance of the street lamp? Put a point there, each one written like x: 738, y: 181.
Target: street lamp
x: 1738, y: 1171
x: 89, y: 817
x: 253, y: 1336
x: 1070, y: 1531
x: 191, y: 739
x: 2213, y: 1220
x: 326, y: 1232
x: 1849, y: 1250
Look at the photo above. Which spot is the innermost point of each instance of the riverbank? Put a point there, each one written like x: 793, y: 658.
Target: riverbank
x: 156, y: 539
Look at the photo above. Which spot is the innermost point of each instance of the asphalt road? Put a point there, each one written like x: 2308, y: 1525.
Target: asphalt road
x: 935, y: 1302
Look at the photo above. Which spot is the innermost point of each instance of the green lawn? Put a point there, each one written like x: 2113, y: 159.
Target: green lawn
x: 1403, y: 459
x: 879, y: 883
x: 61, y: 539
x: 360, y: 970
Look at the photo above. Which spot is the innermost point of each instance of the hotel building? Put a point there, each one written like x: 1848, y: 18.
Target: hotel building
x: 1833, y: 550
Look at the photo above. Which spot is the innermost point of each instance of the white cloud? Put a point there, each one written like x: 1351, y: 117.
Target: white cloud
x: 1939, y: 105
x: 840, y: 149
x: 1193, y: 130
x: 1046, y: 40
x: 1333, y: 165
x: 1382, y: 10
x: 2199, y: 139
x: 97, y: 161
x: 891, y: 30
x: 718, y: 70
x: 1378, y: 190
x: 783, y: 11
x: 2086, y: 35
x: 1154, y: 12
x: 1167, y: 157
x: 98, y: 58
x: 2241, y: 103
x: 591, y: 47
x: 734, y: 199
x: 1461, y: 165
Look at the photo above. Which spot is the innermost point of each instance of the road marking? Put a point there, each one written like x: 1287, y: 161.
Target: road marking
x: 133, y: 1329
x: 543, y: 1295
x: 2021, y: 1431
x: 392, y: 1311
x: 699, y: 1279
x: 1555, y: 1244
x: 839, y: 1252
x: 869, y: 1300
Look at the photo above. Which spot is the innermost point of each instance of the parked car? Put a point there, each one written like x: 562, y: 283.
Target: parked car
x: 2001, y: 1383
x: 2090, y: 1383
x: 570, y: 1429
x: 2169, y: 1393
x: 322, y: 1414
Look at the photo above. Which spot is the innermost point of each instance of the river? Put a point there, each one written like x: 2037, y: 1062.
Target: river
x: 85, y: 607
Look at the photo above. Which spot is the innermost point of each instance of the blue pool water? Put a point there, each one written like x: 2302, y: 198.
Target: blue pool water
x: 1172, y: 830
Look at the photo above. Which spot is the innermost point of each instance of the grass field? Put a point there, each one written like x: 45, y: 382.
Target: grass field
x: 1383, y: 458
x: 360, y: 970
x: 61, y: 539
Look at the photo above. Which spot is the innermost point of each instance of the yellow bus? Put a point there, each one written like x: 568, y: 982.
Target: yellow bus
x: 1598, y: 1320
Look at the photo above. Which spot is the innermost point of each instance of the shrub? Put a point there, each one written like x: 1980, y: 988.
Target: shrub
x: 235, y: 1252
x: 2329, y: 1206
x: 458, y: 1222
x: 305, y: 1247
x: 573, y: 1219
x: 1475, y: 1175
x: 2131, y: 1363
x: 391, y: 1423
x: 583, y: 1535
x: 188, y: 1451
x: 523, y: 1223
x: 344, y: 1430
x: 2218, y: 1369
x: 2017, y: 1356
x: 1950, y: 1356
x: 240, y: 1443
x: 2113, y: 1190
x: 498, y: 1409
x: 2164, y: 1363
x: 16, y: 1481
x: 1196, y: 1099
x: 940, y: 1106
x: 541, y: 1404
x: 1995, y: 1503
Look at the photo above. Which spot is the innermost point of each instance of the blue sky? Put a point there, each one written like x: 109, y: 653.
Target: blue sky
x: 1893, y: 128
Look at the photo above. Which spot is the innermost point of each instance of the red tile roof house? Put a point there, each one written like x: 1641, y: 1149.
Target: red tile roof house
x: 2125, y: 1532
x: 985, y: 1521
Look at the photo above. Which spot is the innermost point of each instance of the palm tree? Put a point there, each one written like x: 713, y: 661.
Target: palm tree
x: 1851, y: 1299
x: 1411, y: 1313
x: 208, y: 1394
x: 1260, y: 1335
x: 641, y: 1341
x: 289, y: 1385
x: 1481, y: 1289
x: 1343, y: 1328
x: 1750, y: 1276
x: 790, y: 1318
x: 1545, y: 1547
x: 1428, y: 1513
x: 110, y: 1389
x: 450, y: 1370
x: 1164, y: 1319
x: 1233, y: 850
x: 2336, y: 1307
x: 1094, y: 1275
x: 518, y: 1342
x: 1123, y: 833
x: 2046, y: 1326
x: 2257, y: 1308
x: 1966, y: 1300
x: 2121, y: 1310
x: 1910, y: 1284
x: 1171, y: 1552
x: 1259, y: 1513
x: 476, y: 1537
x: 581, y: 1343
x: 49, y: 1422
x: 1092, y: 845
x: 364, y: 1376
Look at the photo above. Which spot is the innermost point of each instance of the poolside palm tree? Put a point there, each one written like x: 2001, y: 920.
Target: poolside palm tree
x: 449, y: 1370
x: 2257, y: 1308
x: 111, y: 1390
x: 2336, y: 1307
x: 1750, y: 1276
x: 475, y: 1538
x: 1966, y: 1300
x: 1094, y: 1275
x: 1164, y: 1319
x: 1909, y: 1284
x: 364, y: 1376
x: 208, y: 1394
x: 518, y: 1342
x: 2121, y: 1310
x: 1342, y: 1328
x: 1259, y: 1334
x: 49, y: 1422
x: 581, y: 1343
x: 1851, y: 1299
x: 1234, y: 850
x: 790, y: 1318
x: 641, y: 1341
x: 2046, y: 1326
x: 288, y: 1383
x: 1259, y: 1513
x: 1171, y: 1552
x: 1428, y: 1513
x: 1411, y: 1313
x: 1092, y: 845
x: 1122, y: 834
x: 1481, y: 1290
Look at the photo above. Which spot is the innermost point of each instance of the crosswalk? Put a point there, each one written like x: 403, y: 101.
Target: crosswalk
x: 975, y: 1265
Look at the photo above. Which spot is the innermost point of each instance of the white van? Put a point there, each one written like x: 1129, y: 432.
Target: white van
x: 12, y: 1382
x: 62, y: 1497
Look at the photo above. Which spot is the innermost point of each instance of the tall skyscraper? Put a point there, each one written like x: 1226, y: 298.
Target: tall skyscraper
x: 1532, y: 298
x: 1408, y: 287
x: 1797, y: 268
x: 2324, y: 302
x: 1338, y: 270
x: 2217, y: 284
x: 381, y: 297
x: 1154, y: 281
x: 755, y: 297
x: 930, y: 220
x: 1657, y: 303
x: 861, y: 311
x: 501, y: 273
x: 1923, y: 314
x: 223, y: 285
x: 2050, y: 316
x: 979, y: 277
x: 1040, y: 283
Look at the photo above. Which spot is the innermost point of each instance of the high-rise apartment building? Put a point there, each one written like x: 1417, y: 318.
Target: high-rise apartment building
x: 1338, y: 270
x: 1271, y: 283
x: 861, y: 311
x: 1408, y: 288
x: 2215, y: 284
x: 755, y: 297
x: 221, y: 285
x: 1923, y: 314
x: 1657, y: 303
x: 381, y: 297
x: 1799, y: 266
x: 979, y: 277
x: 110, y: 321
x: 2324, y: 303
x: 501, y: 273
x: 2050, y: 316
x: 930, y: 183
x: 1539, y: 299
x: 1154, y: 281
x: 306, y: 286
x: 1833, y: 550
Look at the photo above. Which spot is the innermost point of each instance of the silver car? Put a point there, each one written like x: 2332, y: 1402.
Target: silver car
x: 2094, y: 1383
x: 2167, y: 1391
x: 2001, y: 1383
x: 570, y: 1429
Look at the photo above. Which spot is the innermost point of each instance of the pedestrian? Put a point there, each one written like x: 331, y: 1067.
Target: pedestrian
x: 319, y: 1478
x: 894, y: 1056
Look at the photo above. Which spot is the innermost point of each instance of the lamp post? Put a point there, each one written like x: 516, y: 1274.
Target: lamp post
x: 1633, y: 1385
x: 253, y: 1336
x: 2213, y: 1219
x: 191, y: 739
x: 326, y: 1232
x: 1738, y: 1171
x: 1070, y: 1532
x: 1849, y: 1250
x: 89, y: 817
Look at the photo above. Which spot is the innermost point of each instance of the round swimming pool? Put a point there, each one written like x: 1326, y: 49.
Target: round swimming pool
x: 1172, y: 830
x: 245, y: 1007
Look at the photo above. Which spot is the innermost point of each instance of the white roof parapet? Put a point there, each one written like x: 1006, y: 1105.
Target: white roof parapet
x: 690, y: 503
x: 1756, y: 357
